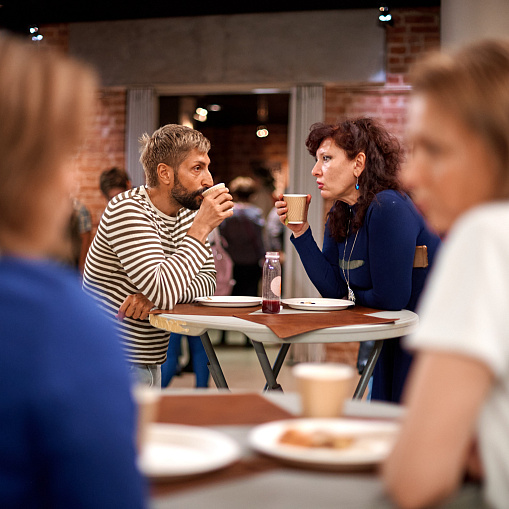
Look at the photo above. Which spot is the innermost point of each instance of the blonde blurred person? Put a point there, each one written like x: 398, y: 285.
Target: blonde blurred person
x: 457, y: 421
x: 66, y: 414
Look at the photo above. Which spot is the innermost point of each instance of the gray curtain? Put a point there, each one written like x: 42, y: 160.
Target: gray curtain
x: 306, y: 108
x: 141, y: 118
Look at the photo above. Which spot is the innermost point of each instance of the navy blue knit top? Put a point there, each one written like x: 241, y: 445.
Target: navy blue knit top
x: 378, y: 260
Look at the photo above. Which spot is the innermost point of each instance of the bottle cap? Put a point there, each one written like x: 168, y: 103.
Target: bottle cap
x: 272, y: 254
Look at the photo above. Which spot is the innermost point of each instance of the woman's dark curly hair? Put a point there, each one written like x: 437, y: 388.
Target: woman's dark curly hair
x: 383, y: 160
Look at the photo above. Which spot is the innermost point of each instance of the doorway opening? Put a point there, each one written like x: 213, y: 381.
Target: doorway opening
x: 248, y: 134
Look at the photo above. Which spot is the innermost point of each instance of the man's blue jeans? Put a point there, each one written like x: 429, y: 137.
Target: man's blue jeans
x: 198, y: 356
x: 146, y: 374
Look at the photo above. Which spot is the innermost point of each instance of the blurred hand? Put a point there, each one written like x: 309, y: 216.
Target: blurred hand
x: 135, y: 306
x: 214, y: 209
x: 282, y: 209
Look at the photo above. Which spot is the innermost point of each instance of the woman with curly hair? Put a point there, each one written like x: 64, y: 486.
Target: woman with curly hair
x: 372, y: 234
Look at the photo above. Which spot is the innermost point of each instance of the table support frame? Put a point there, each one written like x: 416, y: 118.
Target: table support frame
x: 271, y: 372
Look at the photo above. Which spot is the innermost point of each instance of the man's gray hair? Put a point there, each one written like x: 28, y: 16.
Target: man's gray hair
x: 170, y: 145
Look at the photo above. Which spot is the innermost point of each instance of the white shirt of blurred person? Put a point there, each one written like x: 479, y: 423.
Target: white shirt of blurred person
x: 67, y: 419
x: 151, y: 247
x: 457, y: 419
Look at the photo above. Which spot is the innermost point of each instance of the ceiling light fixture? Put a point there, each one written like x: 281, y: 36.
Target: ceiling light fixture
x: 36, y: 35
x: 384, y: 16
x: 262, y: 113
x: 262, y: 131
x: 201, y: 114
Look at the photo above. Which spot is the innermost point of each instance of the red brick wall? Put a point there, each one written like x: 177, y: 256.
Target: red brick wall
x: 415, y: 31
x: 235, y: 150
x: 104, y: 148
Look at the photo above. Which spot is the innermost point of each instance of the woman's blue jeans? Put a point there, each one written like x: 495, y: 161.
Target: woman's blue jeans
x: 198, y: 357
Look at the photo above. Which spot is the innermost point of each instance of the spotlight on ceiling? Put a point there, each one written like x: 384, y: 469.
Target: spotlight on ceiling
x: 384, y: 16
x: 262, y: 131
x: 200, y: 114
x: 35, y: 34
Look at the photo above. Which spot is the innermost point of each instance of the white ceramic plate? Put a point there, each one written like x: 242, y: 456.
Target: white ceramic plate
x: 373, y: 440
x: 317, y: 304
x: 175, y: 451
x: 229, y: 301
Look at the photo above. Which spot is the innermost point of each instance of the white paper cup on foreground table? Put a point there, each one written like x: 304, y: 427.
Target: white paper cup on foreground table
x: 323, y: 388
x: 296, y: 204
x: 213, y: 188
x: 147, y: 401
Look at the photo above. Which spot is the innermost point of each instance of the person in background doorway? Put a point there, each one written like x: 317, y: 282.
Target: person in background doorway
x: 243, y: 232
x: 67, y: 419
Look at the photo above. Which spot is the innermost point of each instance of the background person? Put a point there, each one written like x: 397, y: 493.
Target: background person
x: 151, y: 246
x: 114, y: 181
x: 243, y: 232
x: 457, y: 419
x: 81, y: 233
x: 371, y: 234
x: 67, y: 422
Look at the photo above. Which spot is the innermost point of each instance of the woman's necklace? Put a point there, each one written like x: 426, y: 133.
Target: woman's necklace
x: 351, y: 295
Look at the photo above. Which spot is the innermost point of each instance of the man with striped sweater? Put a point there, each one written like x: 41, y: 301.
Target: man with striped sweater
x: 151, y: 246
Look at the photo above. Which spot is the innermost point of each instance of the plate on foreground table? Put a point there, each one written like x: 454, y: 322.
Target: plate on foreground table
x: 229, y: 301
x: 317, y: 304
x: 368, y: 442
x: 176, y: 451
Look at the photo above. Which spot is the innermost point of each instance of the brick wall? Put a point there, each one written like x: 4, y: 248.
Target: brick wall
x: 104, y: 146
x: 236, y: 150
x: 415, y: 31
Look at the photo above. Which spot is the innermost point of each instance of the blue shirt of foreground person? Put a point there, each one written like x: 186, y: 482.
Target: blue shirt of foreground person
x: 66, y: 414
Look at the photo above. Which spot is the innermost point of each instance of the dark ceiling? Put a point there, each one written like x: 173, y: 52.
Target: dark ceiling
x: 18, y: 15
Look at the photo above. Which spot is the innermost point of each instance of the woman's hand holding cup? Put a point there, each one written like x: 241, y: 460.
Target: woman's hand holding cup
x: 293, y: 212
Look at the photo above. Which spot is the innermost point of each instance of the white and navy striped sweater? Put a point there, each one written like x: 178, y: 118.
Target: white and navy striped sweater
x: 138, y: 249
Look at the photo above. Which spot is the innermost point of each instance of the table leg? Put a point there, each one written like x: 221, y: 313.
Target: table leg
x: 266, y: 367
x: 278, y: 363
x: 214, y: 367
x: 368, y: 370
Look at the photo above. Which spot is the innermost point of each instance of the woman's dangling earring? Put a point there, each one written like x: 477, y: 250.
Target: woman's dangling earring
x: 357, y: 184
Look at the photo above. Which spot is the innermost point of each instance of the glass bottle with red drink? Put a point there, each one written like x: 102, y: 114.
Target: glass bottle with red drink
x: 271, y: 283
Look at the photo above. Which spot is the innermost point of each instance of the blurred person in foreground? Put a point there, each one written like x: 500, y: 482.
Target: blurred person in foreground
x: 372, y: 235
x: 114, y: 181
x: 151, y: 247
x: 457, y: 421
x: 67, y: 421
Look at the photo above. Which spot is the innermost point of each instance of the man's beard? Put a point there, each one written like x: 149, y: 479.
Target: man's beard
x: 185, y: 198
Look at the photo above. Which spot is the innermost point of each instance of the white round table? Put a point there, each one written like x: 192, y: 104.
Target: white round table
x: 199, y: 325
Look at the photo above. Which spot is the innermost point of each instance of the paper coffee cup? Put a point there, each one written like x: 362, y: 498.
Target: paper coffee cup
x: 210, y: 189
x: 323, y: 388
x: 147, y: 402
x: 296, y: 204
